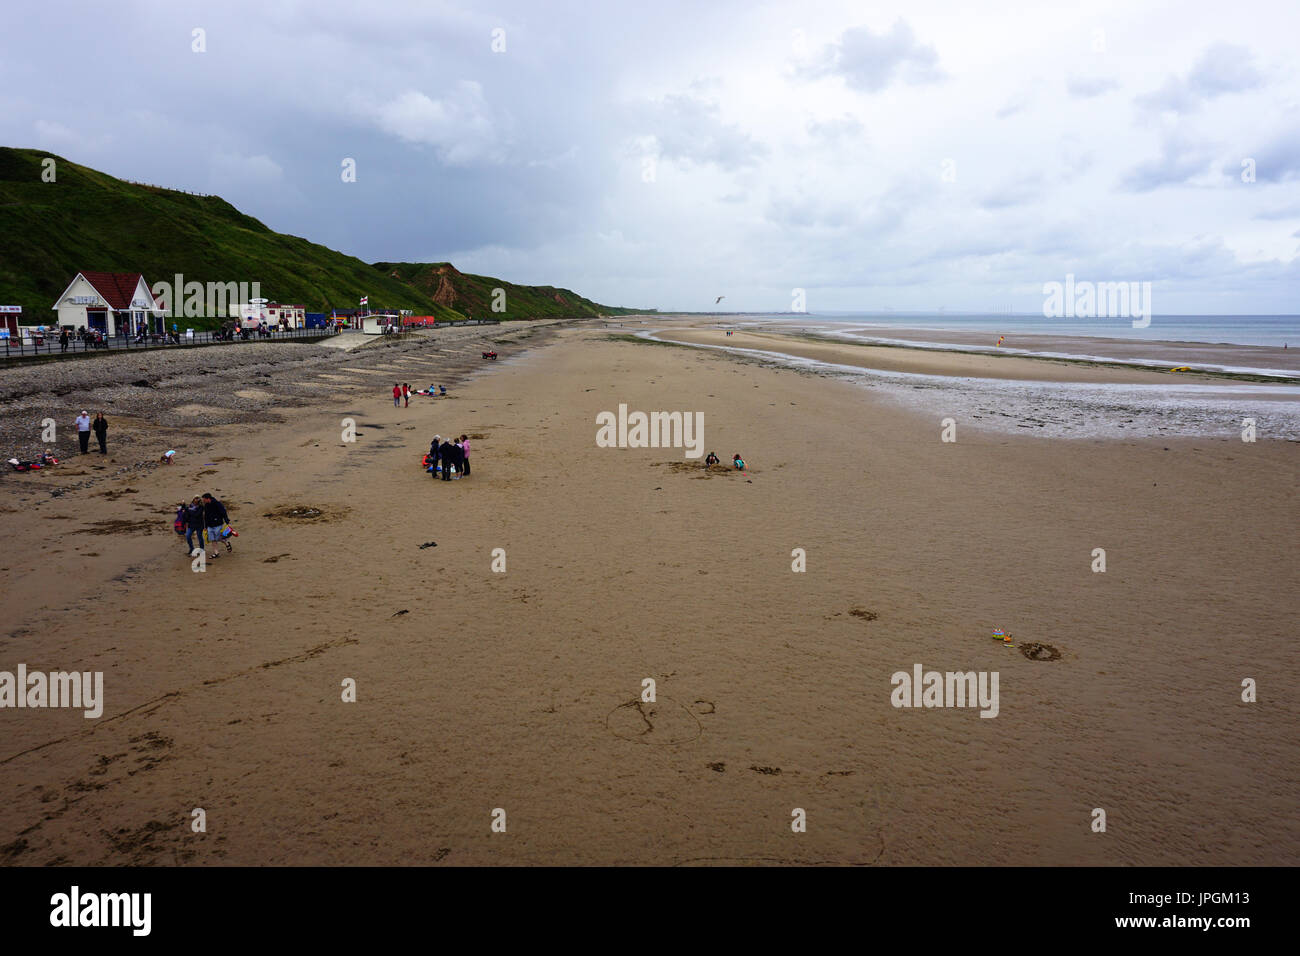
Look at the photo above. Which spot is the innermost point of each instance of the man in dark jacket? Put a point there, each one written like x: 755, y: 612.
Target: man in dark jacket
x: 447, y: 455
x: 214, y: 516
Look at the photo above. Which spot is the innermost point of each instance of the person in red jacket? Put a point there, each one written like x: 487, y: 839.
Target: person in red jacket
x: 397, y: 395
x: 406, y: 395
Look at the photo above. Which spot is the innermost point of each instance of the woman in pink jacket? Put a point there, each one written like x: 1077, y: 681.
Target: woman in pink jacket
x: 464, y: 444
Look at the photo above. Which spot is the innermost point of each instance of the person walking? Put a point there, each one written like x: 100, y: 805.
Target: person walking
x: 100, y: 428
x: 194, y: 525
x: 397, y: 395
x: 406, y: 395
x: 464, y: 452
x: 83, y: 431
x: 63, y: 340
x: 214, y: 516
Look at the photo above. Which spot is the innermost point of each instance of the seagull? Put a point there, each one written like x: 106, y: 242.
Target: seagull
x: 718, y: 299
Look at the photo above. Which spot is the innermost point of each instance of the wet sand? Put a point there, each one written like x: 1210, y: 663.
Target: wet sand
x: 520, y: 690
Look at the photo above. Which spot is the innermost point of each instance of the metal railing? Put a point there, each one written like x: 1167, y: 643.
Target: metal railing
x: 50, y: 345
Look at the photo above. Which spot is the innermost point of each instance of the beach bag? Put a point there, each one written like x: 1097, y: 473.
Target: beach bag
x: 228, y: 532
x: 179, y: 526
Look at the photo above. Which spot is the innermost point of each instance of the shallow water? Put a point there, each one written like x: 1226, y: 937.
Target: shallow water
x: 1072, y: 409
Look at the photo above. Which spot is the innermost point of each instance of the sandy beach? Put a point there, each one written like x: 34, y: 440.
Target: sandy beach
x: 521, y: 690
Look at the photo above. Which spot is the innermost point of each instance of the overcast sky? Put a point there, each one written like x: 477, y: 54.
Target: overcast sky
x: 906, y: 156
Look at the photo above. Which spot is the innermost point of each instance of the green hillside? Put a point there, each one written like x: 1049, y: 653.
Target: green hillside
x: 50, y: 231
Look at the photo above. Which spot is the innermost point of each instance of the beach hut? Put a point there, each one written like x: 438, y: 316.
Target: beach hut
x: 112, y: 302
x: 378, y: 323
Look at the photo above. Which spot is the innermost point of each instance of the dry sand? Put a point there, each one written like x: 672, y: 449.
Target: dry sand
x: 518, y: 690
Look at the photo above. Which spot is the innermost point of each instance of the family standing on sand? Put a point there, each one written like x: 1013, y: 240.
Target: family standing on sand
x: 100, y: 428
x: 204, y: 518
x: 448, y: 459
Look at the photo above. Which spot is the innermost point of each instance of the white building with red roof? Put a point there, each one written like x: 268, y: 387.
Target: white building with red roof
x: 110, y: 302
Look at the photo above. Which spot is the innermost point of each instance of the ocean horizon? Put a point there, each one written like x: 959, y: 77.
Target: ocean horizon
x: 1266, y: 330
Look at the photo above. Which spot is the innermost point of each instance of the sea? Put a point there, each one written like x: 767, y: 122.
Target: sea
x: 1274, y: 330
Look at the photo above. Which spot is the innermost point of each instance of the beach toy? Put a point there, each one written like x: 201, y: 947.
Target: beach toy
x: 1181, y: 368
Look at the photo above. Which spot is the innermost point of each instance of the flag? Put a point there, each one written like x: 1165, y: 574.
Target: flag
x: 365, y: 300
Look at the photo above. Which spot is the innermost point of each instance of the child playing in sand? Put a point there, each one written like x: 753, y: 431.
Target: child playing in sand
x: 738, y: 462
x: 711, y: 460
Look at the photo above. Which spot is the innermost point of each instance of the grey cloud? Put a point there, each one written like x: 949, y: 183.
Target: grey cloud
x: 1017, y: 193
x: 459, y: 124
x: 870, y: 61
x: 835, y: 131
x: 1086, y: 87
x: 866, y: 217
x: 1222, y: 68
x: 1276, y: 162
x: 1290, y: 211
x: 1012, y: 107
x: 688, y: 129
x: 1178, y: 162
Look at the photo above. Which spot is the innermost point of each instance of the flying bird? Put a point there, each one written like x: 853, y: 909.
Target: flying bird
x: 718, y: 299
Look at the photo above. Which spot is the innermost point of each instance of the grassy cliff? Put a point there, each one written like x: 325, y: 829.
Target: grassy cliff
x: 89, y: 220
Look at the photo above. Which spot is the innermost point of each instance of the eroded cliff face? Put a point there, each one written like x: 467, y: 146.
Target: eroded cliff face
x: 444, y: 287
x: 445, y: 294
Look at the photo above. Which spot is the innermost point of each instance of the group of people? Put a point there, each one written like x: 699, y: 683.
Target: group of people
x: 95, y: 338
x: 99, y: 426
x: 34, y: 464
x: 90, y: 338
x: 204, y: 518
x: 402, y: 393
x: 448, y: 459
